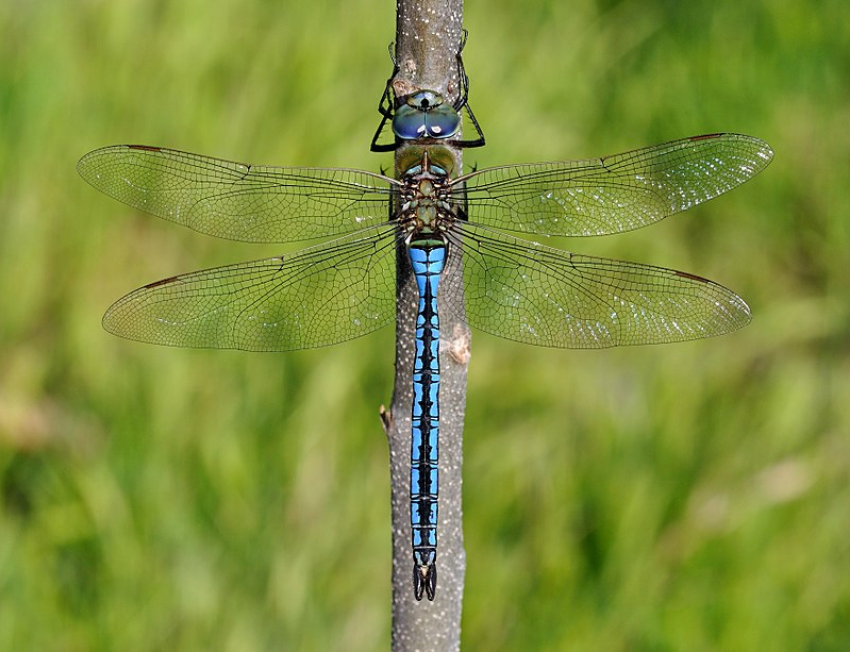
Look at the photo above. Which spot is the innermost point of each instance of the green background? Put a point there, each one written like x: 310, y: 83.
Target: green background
x: 684, y: 497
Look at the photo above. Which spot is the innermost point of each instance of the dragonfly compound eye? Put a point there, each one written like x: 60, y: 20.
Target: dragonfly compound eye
x: 425, y: 115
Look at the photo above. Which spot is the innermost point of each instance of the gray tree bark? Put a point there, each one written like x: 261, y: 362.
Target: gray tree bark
x: 428, y: 36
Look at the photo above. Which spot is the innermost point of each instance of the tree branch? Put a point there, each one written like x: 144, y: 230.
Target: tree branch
x: 428, y: 37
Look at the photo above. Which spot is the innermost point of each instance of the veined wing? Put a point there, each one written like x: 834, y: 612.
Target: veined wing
x: 315, y: 297
x: 538, y: 295
x: 615, y: 193
x: 237, y: 201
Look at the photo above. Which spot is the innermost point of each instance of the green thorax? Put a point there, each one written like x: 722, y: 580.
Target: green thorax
x: 426, y: 207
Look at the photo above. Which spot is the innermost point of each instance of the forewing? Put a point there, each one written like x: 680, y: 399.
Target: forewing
x: 538, y: 295
x: 237, y: 201
x: 614, y: 193
x: 316, y: 297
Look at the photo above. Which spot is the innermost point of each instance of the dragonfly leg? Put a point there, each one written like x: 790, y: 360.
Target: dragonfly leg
x: 463, y: 97
x: 386, y: 107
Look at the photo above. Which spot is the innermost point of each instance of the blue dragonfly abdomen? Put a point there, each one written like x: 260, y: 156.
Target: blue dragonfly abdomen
x: 427, y: 257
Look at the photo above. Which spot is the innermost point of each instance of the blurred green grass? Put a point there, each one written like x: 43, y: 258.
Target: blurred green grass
x: 681, y: 497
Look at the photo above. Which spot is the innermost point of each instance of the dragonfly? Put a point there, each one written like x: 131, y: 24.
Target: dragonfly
x: 344, y: 287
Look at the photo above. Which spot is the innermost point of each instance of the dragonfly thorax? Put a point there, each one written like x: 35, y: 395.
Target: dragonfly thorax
x: 426, y: 198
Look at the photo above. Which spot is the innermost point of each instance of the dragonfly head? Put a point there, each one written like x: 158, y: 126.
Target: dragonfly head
x: 425, y: 115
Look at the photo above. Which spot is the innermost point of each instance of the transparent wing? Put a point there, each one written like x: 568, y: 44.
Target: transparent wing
x: 232, y: 200
x: 316, y: 297
x: 614, y: 193
x: 537, y: 295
